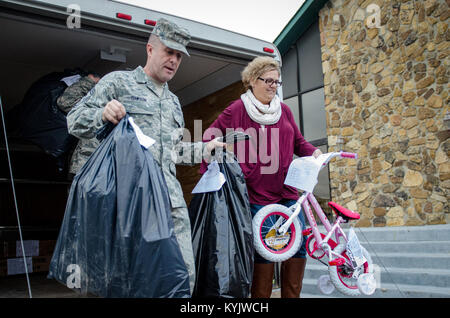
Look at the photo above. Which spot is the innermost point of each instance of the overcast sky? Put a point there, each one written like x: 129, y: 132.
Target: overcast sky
x: 262, y: 19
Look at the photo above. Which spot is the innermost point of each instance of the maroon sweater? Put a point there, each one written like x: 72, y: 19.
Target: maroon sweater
x: 265, y: 158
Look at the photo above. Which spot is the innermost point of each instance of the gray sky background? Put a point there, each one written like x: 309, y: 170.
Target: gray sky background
x: 262, y: 19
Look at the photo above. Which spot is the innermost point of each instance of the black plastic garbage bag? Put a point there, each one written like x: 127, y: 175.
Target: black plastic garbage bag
x: 117, y: 234
x: 39, y: 120
x: 222, y: 237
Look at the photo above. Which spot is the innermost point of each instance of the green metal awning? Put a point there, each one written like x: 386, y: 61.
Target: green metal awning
x: 300, y: 22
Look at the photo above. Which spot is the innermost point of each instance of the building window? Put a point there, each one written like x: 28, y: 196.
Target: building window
x: 310, y: 59
x: 303, y: 92
x: 289, y: 73
x: 293, y: 105
x: 314, y: 117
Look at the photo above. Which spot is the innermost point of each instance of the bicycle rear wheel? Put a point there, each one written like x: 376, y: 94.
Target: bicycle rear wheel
x: 268, y: 243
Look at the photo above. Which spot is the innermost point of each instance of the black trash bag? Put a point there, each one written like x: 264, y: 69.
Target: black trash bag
x: 117, y: 228
x: 222, y: 236
x: 39, y: 120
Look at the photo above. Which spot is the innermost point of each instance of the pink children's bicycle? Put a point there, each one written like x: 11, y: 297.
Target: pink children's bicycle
x: 278, y: 233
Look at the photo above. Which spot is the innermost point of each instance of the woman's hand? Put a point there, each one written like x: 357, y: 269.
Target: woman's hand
x: 317, y: 153
x: 213, y: 144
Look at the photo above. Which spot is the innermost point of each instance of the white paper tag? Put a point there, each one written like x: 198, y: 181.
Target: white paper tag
x: 354, y: 250
x: 302, y: 174
x: 212, y: 179
x: 144, y: 140
x: 304, y: 171
x: 70, y: 80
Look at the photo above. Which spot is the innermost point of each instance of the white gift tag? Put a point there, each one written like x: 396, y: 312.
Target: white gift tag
x: 70, y: 80
x: 144, y: 140
x: 212, y: 179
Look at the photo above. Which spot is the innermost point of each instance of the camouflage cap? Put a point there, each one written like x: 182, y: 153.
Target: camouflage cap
x: 171, y: 35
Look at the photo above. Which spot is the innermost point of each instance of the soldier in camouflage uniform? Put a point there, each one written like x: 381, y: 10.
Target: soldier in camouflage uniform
x: 71, y: 96
x: 145, y: 95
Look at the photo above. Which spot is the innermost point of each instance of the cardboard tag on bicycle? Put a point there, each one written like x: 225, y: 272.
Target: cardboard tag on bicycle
x: 354, y: 250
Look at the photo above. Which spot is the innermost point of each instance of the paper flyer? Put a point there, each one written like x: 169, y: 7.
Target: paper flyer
x: 304, y: 171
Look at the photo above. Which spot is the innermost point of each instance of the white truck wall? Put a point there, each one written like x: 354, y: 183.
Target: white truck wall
x: 36, y: 40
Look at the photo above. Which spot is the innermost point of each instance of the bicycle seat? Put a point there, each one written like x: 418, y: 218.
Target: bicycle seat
x: 343, y: 212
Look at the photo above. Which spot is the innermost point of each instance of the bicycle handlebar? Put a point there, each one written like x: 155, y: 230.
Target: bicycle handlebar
x: 349, y: 155
x: 341, y: 154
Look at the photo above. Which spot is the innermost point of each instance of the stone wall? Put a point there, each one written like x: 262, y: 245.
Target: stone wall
x: 386, y: 98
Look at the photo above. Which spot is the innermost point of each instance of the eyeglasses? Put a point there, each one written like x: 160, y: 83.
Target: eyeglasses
x: 270, y: 81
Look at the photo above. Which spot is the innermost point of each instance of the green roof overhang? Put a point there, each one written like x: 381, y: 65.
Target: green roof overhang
x: 300, y: 22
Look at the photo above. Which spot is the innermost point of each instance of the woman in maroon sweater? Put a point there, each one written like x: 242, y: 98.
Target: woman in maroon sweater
x: 265, y: 159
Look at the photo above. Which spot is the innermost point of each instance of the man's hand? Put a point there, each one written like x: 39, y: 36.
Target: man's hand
x: 317, y: 153
x: 114, y: 111
x: 94, y: 78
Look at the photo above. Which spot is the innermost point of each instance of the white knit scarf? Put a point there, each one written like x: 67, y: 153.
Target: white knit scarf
x: 259, y: 112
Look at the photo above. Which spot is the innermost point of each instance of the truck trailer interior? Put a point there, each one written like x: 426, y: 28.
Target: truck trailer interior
x: 34, y: 44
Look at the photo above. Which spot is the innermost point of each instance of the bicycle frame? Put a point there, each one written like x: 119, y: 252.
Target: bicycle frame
x: 309, y: 197
x: 304, y: 201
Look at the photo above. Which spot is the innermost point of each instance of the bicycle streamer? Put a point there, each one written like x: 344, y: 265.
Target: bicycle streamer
x: 15, y: 199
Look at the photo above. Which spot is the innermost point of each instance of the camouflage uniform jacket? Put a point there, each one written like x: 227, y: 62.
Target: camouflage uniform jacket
x: 159, y: 117
x: 71, y: 96
x: 74, y: 93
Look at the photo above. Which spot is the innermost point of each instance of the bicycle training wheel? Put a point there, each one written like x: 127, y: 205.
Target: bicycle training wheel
x: 268, y: 243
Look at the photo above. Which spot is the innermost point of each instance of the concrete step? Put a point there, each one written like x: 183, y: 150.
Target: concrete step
x: 416, y: 276
x: 310, y: 290
x: 304, y: 295
x: 439, y: 232
x: 412, y: 260
x: 394, y: 275
x: 407, y: 247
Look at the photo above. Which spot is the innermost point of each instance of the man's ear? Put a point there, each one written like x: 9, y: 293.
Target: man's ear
x: 149, y: 49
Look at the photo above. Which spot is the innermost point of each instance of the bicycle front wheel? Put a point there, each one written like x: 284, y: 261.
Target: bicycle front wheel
x: 268, y: 243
